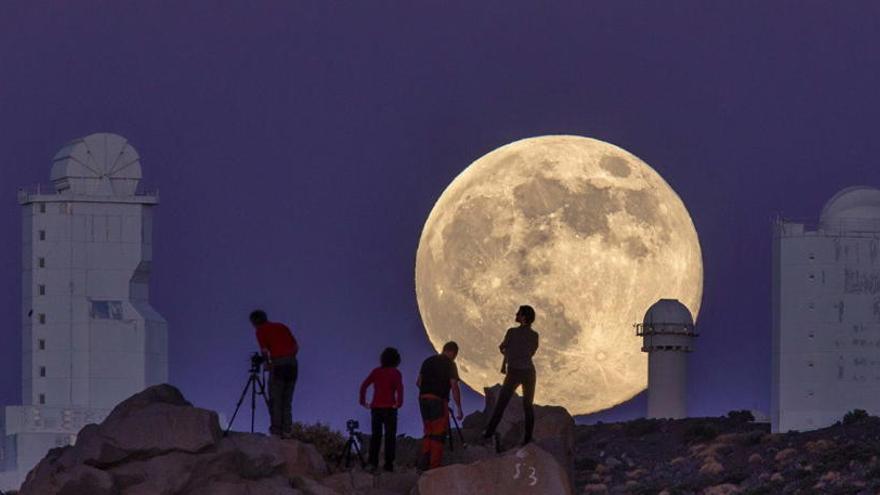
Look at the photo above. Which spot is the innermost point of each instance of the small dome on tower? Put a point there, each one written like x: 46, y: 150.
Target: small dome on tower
x: 854, y: 209
x: 668, y: 311
x: 100, y: 164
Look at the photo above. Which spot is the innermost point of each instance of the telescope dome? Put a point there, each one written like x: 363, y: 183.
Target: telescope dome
x: 668, y: 311
x: 854, y: 209
x: 101, y: 164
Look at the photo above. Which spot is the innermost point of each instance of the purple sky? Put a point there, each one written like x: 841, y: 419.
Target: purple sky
x: 299, y: 147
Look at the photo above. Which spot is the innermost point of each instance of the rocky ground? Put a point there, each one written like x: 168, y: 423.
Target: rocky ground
x: 157, y: 443
x: 726, y: 456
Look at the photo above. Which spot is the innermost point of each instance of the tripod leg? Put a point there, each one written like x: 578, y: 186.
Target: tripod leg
x: 254, y: 401
x: 237, y: 407
x: 360, y: 454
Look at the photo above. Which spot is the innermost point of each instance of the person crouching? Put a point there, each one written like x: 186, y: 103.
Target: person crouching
x: 387, y: 399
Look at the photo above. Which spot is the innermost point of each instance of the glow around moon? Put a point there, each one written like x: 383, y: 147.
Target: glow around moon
x: 580, y: 229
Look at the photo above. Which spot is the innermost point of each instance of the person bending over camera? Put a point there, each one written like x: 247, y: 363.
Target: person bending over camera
x: 279, y: 348
x: 437, y: 377
x: 387, y: 399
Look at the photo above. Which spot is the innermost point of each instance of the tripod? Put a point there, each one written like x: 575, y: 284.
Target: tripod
x: 353, y: 444
x: 458, y: 429
x: 257, y: 386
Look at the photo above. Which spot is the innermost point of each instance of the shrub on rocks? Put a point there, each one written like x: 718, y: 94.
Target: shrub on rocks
x: 700, y: 432
x: 855, y: 416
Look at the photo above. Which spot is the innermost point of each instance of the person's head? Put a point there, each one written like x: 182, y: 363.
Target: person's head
x: 258, y: 317
x: 450, y: 350
x: 390, y: 358
x: 525, y: 315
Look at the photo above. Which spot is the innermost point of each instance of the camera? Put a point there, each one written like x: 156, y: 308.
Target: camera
x: 352, y: 425
x: 256, y: 360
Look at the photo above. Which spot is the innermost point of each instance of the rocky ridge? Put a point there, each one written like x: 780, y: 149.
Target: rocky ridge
x: 157, y: 443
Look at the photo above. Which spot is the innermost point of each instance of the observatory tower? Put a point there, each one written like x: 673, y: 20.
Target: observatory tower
x: 826, y: 313
x: 89, y: 335
x: 668, y: 332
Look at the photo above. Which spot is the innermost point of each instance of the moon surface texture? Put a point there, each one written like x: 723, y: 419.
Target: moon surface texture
x: 583, y: 231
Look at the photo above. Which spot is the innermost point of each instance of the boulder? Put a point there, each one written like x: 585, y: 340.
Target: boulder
x: 350, y: 482
x: 76, y: 481
x: 722, y: 489
x: 309, y: 486
x: 554, y: 427
x: 163, y: 475
x: 528, y: 470
x: 269, y: 486
x: 150, y: 423
x: 157, y: 443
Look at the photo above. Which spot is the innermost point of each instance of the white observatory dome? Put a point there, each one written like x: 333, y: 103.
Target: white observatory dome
x: 854, y: 209
x: 668, y: 311
x: 100, y: 164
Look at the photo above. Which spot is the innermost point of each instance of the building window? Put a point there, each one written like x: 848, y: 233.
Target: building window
x: 41, y: 344
x: 42, y: 235
x: 42, y: 318
x: 42, y: 207
x: 41, y: 289
x: 106, y: 310
x: 43, y: 371
x: 42, y: 398
x: 41, y: 262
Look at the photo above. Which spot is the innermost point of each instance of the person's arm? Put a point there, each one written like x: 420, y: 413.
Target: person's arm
x: 456, y: 392
x: 419, y: 381
x: 263, y: 342
x: 399, y: 390
x: 456, y: 396
x: 503, y: 346
x: 362, y: 398
x: 534, y: 349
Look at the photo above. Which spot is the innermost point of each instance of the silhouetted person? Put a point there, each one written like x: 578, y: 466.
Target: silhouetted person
x: 518, y: 347
x: 437, y: 377
x: 279, y: 347
x: 387, y: 399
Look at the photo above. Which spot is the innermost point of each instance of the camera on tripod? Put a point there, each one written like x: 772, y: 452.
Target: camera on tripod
x: 352, y: 446
x: 256, y: 360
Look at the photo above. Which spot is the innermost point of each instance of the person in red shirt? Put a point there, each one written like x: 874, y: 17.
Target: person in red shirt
x: 279, y: 347
x: 387, y: 399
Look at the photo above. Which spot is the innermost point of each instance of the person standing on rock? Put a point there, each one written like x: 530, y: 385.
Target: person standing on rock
x: 279, y: 348
x: 519, y: 345
x: 387, y: 399
x: 437, y: 376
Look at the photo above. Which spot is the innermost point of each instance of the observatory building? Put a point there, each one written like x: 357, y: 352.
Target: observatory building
x: 89, y: 335
x: 826, y: 313
x: 668, y: 332
x: 668, y: 336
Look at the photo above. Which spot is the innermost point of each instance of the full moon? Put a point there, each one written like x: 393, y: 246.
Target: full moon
x: 586, y: 233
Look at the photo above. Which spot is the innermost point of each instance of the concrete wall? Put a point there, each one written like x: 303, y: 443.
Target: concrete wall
x: 90, y: 330
x: 826, y: 327
x: 89, y: 336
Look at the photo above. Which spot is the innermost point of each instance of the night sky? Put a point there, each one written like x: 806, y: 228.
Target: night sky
x: 298, y: 148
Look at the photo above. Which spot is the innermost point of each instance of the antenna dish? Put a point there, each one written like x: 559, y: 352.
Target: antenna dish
x: 101, y: 164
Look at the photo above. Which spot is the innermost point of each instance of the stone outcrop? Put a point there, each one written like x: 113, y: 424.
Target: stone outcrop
x: 554, y: 427
x: 157, y: 443
x: 528, y: 470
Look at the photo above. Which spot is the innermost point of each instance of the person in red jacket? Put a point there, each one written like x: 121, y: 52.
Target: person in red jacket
x: 279, y: 348
x: 387, y: 399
